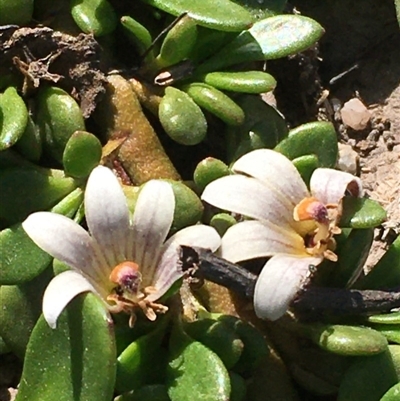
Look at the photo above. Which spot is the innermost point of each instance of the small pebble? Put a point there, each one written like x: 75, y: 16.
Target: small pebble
x: 348, y: 159
x: 355, y: 115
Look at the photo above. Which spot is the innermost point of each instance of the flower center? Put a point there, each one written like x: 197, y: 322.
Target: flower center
x: 318, y: 236
x: 128, y: 294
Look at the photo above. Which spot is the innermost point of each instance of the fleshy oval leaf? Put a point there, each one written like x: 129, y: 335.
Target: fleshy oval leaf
x: 216, y: 102
x: 209, y: 170
x: 269, y: 38
x: 24, y: 191
x: 387, y: 318
x: 13, y: 118
x: 75, y: 361
x: 386, y: 273
x: 368, y: 378
x: 181, y: 117
x: 361, y: 213
x: 95, y: 17
x: 81, y: 154
x: 195, y: 372
x: 263, y: 127
x: 348, y: 340
x: 393, y: 394
x: 222, y: 15
x: 306, y: 166
x: 245, y: 81
x: 317, y: 138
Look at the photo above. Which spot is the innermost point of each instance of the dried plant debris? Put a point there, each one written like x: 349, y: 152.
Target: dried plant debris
x: 41, y: 54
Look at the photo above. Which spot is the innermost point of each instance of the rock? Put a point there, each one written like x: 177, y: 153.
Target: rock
x: 355, y: 115
x: 348, y: 159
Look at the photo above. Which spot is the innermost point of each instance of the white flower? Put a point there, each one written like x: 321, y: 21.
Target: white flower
x: 128, y: 264
x: 289, y: 224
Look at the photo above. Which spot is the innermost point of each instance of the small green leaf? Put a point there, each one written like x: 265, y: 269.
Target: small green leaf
x: 81, y: 154
x: 263, y: 127
x: 138, y: 35
x: 21, y: 260
x: 255, y: 347
x: 13, y: 118
x: 390, y: 331
x: 351, y: 258
x: 317, y: 138
x: 209, y: 170
x: 222, y: 15
x: 306, y: 166
x: 244, y: 81
x: 361, y: 213
x: 94, y: 16
x: 75, y: 361
x: 267, y: 39
x: 178, y: 42
x: 195, y: 373
x: 368, y: 378
x: 21, y: 306
x: 24, y: 191
x: 387, y: 318
x: 238, y: 387
x: 393, y: 394
x: 181, y: 117
x: 222, y: 222
x: 215, y: 102
x: 386, y: 273
x: 139, y: 361
x: 347, y: 340
x: 218, y: 337
x: 58, y: 117
x: 30, y: 144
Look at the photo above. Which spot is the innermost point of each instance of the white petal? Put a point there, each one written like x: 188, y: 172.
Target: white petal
x: 65, y: 240
x: 198, y: 235
x: 249, y: 197
x: 152, y: 219
x: 329, y: 186
x: 254, y: 239
x: 278, y: 283
x: 107, y: 214
x: 168, y: 271
x: 274, y: 170
x: 168, y: 268
x: 60, y: 291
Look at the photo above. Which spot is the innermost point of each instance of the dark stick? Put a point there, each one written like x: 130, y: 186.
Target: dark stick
x: 310, y: 302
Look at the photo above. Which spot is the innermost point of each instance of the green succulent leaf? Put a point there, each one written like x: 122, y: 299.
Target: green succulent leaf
x: 263, y: 9
x: 306, y: 166
x: 152, y: 392
x: 244, y: 81
x: 216, y: 102
x: 21, y: 306
x: 75, y: 361
x: 368, y: 378
x: 222, y: 15
x: 141, y: 360
x: 263, y: 127
x: 30, y: 144
x: 13, y: 118
x: 267, y: 39
x: 386, y: 273
x: 218, y: 337
x: 347, y: 340
x: 138, y: 35
x: 81, y: 154
x: 94, y: 16
x: 351, y: 257
x: 181, y: 117
x: 387, y: 318
x: 361, y: 213
x: 209, y: 170
x: 195, y: 373
x: 393, y: 394
x: 318, y: 138
x: 390, y: 331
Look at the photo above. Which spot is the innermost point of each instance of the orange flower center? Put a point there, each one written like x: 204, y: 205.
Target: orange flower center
x: 318, y: 225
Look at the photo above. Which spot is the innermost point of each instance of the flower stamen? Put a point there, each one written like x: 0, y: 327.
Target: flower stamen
x: 128, y: 293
